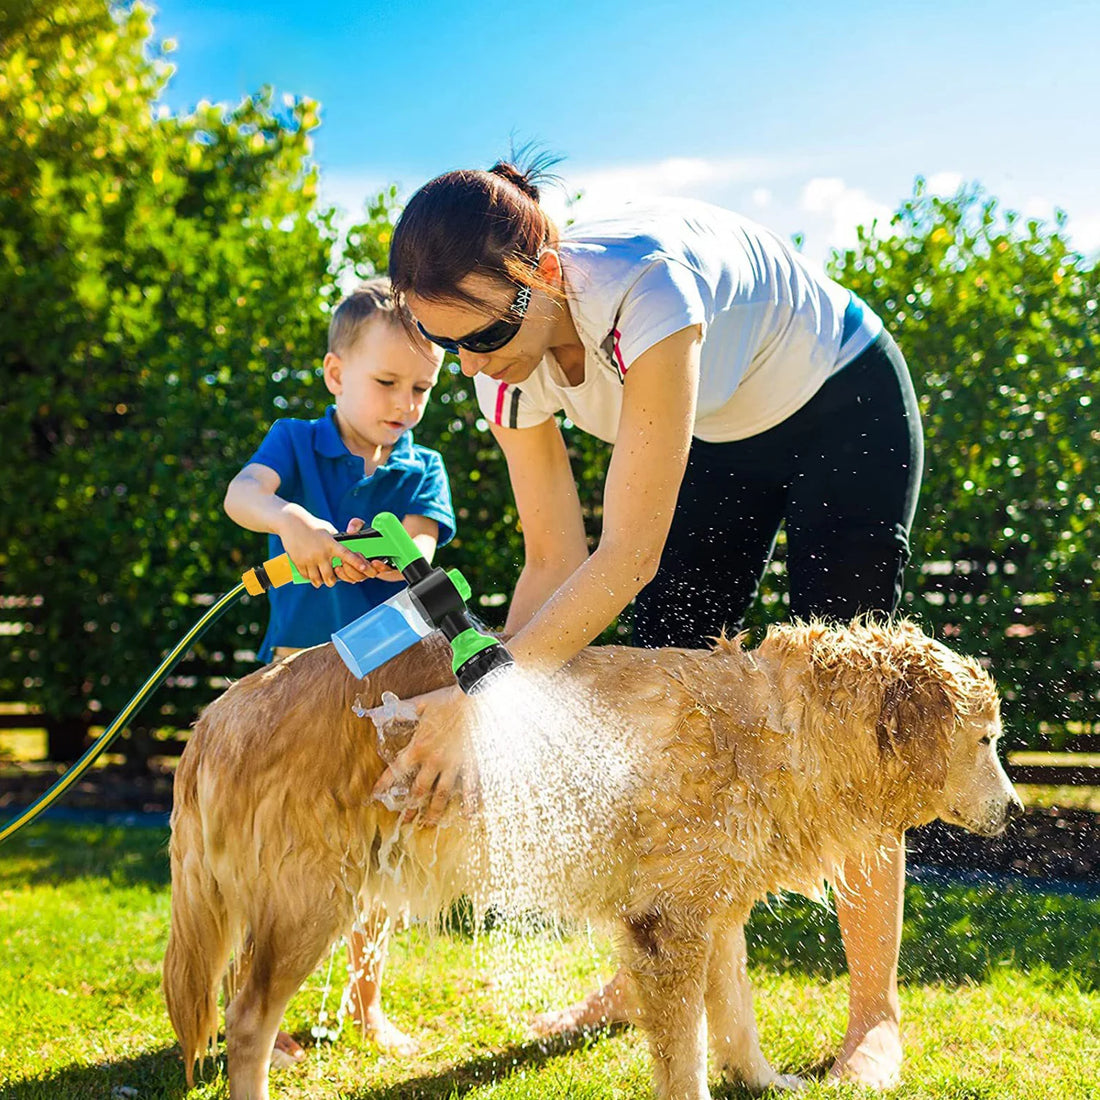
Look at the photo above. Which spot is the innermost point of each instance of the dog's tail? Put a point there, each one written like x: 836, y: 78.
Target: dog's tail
x: 199, y: 943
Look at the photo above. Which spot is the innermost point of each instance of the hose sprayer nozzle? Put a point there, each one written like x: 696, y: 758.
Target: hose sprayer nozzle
x: 434, y: 600
x: 484, y: 668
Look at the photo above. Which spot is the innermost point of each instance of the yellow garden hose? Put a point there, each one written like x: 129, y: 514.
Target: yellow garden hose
x: 43, y: 803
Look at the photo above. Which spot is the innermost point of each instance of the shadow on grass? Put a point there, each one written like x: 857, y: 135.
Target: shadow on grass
x: 953, y: 933
x: 156, y: 1075
x: 497, y: 1067
x: 460, y: 1079
x: 721, y: 1089
x: 51, y: 853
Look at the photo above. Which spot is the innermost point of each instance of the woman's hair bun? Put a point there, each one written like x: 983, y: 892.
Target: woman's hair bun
x: 513, y: 175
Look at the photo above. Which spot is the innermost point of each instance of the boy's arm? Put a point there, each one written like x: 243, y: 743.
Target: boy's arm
x: 252, y: 501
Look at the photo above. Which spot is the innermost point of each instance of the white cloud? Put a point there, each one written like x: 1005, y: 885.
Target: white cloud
x: 842, y: 208
x: 761, y: 197
x: 1085, y: 234
x: 944, y: 183
x: 697, y: 177
x: 1039, y: 208
x: 679, y: 175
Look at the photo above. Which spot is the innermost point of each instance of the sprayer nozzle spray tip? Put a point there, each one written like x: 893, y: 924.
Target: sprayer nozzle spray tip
x: 484, y: 668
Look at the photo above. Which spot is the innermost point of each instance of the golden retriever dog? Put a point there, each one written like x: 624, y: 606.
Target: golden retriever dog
x: 760, y: 771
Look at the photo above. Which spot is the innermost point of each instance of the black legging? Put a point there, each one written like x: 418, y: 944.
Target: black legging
x: 843, y: 473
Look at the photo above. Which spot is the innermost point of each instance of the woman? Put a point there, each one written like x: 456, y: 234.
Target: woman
x: 741, y: 390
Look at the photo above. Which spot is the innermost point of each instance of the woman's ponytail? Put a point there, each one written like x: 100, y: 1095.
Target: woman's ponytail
x: 524, y: 180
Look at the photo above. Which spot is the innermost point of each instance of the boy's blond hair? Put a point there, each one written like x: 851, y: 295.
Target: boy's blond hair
x: 369, y: 301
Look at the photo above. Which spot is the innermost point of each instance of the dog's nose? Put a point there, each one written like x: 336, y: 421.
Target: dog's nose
x: 1013, y: 810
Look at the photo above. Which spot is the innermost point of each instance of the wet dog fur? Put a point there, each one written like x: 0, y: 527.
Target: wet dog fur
x: 764, y: 770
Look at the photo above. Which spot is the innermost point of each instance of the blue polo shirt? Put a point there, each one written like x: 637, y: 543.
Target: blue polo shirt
x: 317, y: 471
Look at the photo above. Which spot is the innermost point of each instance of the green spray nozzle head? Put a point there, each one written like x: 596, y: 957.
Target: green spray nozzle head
x: 479, y: 660
x: 476, y: 657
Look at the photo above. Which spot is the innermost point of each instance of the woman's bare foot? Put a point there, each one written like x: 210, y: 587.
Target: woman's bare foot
x: 870, y: 1057
x: 287, y: 1052
x: 613, y: 1004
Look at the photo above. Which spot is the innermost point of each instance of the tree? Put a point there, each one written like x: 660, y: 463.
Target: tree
x: 164, y: 297
x: 999, y: 321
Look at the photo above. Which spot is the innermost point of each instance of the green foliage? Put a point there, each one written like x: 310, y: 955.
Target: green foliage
x: 166, y: 282
x: 1000, y: 324
x: 164, y: 286
x: 367, y: 245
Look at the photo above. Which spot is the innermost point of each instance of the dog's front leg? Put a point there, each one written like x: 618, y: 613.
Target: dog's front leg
x: 730, y: 1017
x: 668, y: 965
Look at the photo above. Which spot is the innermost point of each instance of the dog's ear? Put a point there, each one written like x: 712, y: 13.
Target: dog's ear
x: 913, y: 725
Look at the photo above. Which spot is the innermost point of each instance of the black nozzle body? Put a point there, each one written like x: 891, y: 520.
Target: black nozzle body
x: 437, y: 599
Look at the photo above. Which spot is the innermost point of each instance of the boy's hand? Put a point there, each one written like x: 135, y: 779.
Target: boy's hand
x: 309, y: 542
x: 385, y: 571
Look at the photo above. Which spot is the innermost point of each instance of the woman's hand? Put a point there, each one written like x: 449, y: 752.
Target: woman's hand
x: 380, y: 570
x: 437, y: 764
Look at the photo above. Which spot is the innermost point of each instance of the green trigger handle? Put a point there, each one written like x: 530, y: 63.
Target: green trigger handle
x: 385, y: 538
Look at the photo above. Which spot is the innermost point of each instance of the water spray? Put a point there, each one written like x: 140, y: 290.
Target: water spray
x: 434, y: 599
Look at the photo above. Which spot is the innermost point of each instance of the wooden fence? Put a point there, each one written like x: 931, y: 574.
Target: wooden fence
x: 171, y: 737
x: 162, y: 726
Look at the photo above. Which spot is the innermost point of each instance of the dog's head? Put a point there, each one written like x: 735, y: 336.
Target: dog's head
x: 940, y: 720
x: 977, y: 793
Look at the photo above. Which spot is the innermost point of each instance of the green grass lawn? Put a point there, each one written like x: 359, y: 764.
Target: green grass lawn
x: 1001, y: 997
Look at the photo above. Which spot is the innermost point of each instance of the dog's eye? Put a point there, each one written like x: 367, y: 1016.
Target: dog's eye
x: 986, y: 740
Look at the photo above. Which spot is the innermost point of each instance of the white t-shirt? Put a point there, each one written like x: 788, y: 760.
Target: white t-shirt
x: 773, y: 328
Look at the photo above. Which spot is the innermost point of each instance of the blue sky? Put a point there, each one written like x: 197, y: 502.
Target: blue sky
x: 809, y: 117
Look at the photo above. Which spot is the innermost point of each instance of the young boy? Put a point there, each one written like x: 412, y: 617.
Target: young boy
x: 311, y: 479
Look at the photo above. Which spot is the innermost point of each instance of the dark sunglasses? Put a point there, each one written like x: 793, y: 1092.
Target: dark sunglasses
x: 493, y: 336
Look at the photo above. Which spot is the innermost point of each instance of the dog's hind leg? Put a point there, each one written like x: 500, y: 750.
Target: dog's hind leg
x: 730, y: 1017
x: 287, y: 945
x: 668, y: 964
